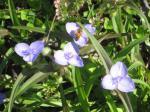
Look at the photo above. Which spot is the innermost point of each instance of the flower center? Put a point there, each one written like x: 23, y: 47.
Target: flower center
x: 26, y: 52
x: 68, y: 55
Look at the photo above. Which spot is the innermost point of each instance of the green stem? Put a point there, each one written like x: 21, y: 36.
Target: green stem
x: 125, y: 100
x: 48, y: 35
x: 128, y: 102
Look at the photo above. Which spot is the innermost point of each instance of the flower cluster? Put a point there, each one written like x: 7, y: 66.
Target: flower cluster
x: 118, y: 79
x: 29, y: 52
x: 70, y: 53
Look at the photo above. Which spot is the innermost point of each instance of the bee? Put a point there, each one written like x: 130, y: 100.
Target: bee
x: 78, y: 34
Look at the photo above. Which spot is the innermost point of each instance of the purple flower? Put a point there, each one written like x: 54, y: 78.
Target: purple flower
x: 79, y: 36
x: 118, y: 79
x: 69, y: 55
x: 29, y: 52
x: 2, y: 97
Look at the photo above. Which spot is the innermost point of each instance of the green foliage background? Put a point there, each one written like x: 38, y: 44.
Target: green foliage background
x: 122, y: 34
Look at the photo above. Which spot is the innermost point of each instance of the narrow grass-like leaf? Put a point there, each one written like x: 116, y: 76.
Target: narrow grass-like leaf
x: 125, y: 100
x: 15, y: 88
x: 5, y: 60
x: 77, y: 80
x: 117, y: 21
x: 90, y: 83
x: 111, y: 36
x: 39, y: 76
x: 110, y: 103
x: 128, y: 48
x: 12, y: 12
x: 100, y: 50
x: 135, y: 65
x: 142, y: 83
x: 34, y: 29
x: 140, y: 13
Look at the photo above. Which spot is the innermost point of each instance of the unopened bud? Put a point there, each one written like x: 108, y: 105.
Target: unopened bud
x: 46, y: 51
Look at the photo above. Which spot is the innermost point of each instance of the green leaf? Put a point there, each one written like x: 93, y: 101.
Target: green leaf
x: 4, y: 62
x: 19, y: 89
x: 135, y: 65
x: 139, y: 12
x: 100, y: 50
x: 12, y: 12
x: 110, y: 102
x: 128, y: 48
x: 138, y: 81
x: 108, y: 24
x: 78, y: 84
x: 15, y: 88
x: 117, y: 21
x: 111, y: 36
x: 90, y: 83
x: 34, y: 29
x: 39, y: 76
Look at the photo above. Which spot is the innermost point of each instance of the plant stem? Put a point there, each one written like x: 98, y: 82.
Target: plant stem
x: 48, y: 35
x: 125, y: 100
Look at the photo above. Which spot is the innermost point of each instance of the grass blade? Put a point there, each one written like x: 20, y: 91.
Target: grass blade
x: 12, y: 12
x: 78, y: 84
x: 39, y: 76
x: 34, y: 29
x: 142, y: 83
x: 15, y: 88
x: 100, y: 50
x: 128, y: 48
x: 5, y: 60
x: 110, y: 102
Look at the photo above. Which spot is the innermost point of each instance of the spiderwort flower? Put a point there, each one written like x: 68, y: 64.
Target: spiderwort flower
x: 29, y: 52
x: 69, y: 55
x: 2, y: 97
x: 118, y: 79
x: 79, y: 36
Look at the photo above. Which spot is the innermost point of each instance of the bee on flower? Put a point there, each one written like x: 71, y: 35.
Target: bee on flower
x: 78, y: 35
